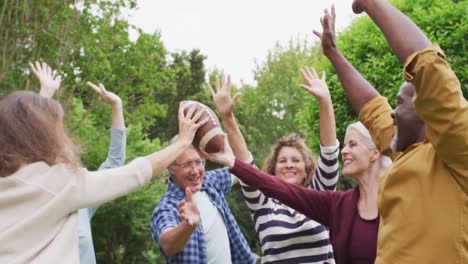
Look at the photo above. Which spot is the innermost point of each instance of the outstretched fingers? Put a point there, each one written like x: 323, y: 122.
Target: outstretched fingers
x: 312, y: 73
x: 314, y: 85
x: 94, y: 87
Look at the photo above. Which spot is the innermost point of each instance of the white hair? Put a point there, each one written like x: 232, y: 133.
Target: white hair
x: 384, y: 161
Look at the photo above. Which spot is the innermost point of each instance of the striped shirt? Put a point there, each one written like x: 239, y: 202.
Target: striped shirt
x: 286, y: 235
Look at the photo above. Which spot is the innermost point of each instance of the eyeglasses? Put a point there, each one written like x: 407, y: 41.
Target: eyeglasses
x: 189, y: 165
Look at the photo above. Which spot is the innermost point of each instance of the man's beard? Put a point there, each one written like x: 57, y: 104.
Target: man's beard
x: 394, y: 143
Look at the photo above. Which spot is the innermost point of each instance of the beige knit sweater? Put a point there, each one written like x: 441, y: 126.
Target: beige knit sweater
x: 38, y: 207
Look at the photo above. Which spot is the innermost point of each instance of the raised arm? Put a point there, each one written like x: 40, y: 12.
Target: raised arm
x: 94, y: 188
x: 117, y: 146
x: 114, y: 101
x: 402, y: 34
x: 173, y: 240
x: 49, y: 80
x: 358, y: 89
x: 326, y: 172
x: 318, y: 87
x: 225, y: 106
x: 438, y: 99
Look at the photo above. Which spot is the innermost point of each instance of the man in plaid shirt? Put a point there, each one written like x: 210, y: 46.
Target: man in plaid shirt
x: 193, y: 223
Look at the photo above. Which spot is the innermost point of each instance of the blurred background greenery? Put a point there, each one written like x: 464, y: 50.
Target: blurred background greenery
x: 89, y: 41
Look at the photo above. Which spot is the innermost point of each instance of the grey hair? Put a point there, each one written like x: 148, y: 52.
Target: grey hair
x: 385, y: 161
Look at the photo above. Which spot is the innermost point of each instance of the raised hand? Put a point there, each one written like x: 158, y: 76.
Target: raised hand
x: 189, y: 123
x: 188, y: 210
x: 226, y: 157
x: 111, y: 98
x: 328, y: 36
x: 222, y: 97
x: 49, y: 80
x: 315, y: 85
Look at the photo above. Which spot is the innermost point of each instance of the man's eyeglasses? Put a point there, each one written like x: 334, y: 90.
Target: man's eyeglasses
x: 189, y: 165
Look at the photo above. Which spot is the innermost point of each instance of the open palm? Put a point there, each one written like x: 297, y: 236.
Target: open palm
x: 110, y: 97
x: 49, y: 80
x: 222, y: 96
x: 328, y: 35
x: 315, y: 85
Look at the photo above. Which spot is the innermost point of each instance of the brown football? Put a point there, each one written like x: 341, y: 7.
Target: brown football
x: 209, y: 136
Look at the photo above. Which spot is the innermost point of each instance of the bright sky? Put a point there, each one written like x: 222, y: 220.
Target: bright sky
x: 235, y: 34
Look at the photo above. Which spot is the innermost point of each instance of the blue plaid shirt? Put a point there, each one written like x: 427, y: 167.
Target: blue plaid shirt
x: 216, y: 183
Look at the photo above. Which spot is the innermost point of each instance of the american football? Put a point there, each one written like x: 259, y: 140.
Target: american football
x: 209, y: 136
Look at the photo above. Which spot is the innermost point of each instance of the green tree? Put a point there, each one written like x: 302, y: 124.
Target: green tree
x: 189, y: 80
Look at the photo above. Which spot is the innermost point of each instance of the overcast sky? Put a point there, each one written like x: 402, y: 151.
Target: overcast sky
x: 233, y: 34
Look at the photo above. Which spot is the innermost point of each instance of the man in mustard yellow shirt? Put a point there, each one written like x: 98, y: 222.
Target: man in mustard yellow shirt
x: 423, y: 198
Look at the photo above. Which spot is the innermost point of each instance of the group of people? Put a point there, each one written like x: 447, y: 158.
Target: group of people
x: 411, y: 210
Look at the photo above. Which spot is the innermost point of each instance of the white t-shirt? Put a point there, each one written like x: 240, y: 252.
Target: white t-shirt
x: 214, y: 229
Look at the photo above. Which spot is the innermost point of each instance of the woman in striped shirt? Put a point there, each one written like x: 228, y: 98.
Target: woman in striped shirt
x: 286, y: 235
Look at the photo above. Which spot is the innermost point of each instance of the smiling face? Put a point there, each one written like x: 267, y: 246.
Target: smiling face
x: 290, y: 166
x: 409, y: 128
x: 188, y: 170
x: 356, y: 154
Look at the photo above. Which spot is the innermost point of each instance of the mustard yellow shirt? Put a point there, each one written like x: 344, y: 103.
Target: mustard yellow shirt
x: 423, y: 198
